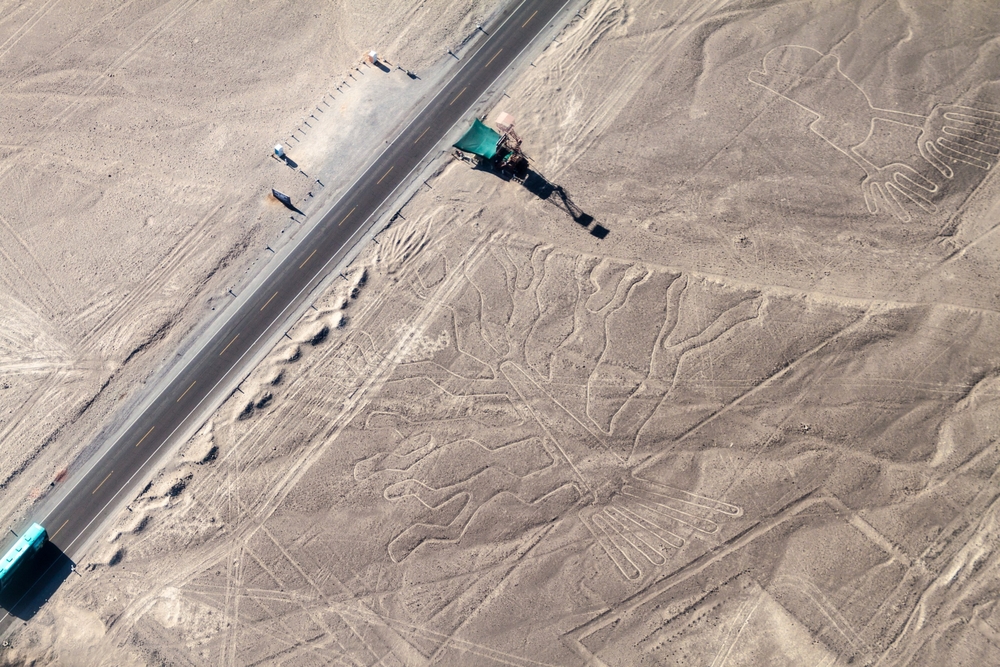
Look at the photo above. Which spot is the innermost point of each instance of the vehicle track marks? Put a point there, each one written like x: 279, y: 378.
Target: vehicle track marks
x: 26, y: 27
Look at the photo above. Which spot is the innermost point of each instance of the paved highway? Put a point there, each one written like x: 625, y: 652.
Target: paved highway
x: 224, y: 357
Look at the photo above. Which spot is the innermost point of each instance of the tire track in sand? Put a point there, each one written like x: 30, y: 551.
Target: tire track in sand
x: 26, y: 27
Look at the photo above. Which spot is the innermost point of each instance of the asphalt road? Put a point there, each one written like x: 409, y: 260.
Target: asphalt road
x: 224, y: 358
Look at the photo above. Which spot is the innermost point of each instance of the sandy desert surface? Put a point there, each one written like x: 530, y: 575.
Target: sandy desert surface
x: 754, y: 424
x: 135, y: 163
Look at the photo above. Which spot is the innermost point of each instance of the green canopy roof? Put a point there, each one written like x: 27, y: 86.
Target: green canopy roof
x: 479, y: 140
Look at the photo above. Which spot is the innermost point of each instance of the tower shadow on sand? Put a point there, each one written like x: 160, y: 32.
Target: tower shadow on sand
x: 554, y: 194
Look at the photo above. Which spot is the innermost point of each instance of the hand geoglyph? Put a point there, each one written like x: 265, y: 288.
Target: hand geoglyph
x: 960, y: 134
x: 949, y: 136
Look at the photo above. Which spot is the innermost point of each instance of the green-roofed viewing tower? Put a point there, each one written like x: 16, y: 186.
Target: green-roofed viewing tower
x: 500, y: 150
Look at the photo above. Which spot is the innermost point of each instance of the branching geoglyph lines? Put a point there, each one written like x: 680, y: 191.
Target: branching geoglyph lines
x: 555, y: 314
x: 254, y: 490
x: 643, y: 521
x: 452, y: 494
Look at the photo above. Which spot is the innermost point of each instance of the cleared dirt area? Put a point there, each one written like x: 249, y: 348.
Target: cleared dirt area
x: 753, y: 423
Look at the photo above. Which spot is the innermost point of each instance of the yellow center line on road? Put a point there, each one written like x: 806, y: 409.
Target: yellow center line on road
x: 53, y: 536
x: 457, y: 96
x: 144, y: 437
x: 421, y: 136
x: 227, y: 346
x: 185, y: 392
x: 269, y: 301
x: 384, y: 175
x: 308, y: 258
x: 529, y: 19
x: 346, y: 216
x: 99, y: 486
x: 492, y: 59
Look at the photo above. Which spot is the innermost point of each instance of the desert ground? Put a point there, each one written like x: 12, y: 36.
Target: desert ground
x: 135, y: 166
x: 755, y: 423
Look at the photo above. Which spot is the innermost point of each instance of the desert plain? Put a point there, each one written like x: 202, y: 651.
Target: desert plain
x: 754, y: 423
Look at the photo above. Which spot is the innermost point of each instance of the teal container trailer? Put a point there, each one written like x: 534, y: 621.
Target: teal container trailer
x: 23, y: 550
